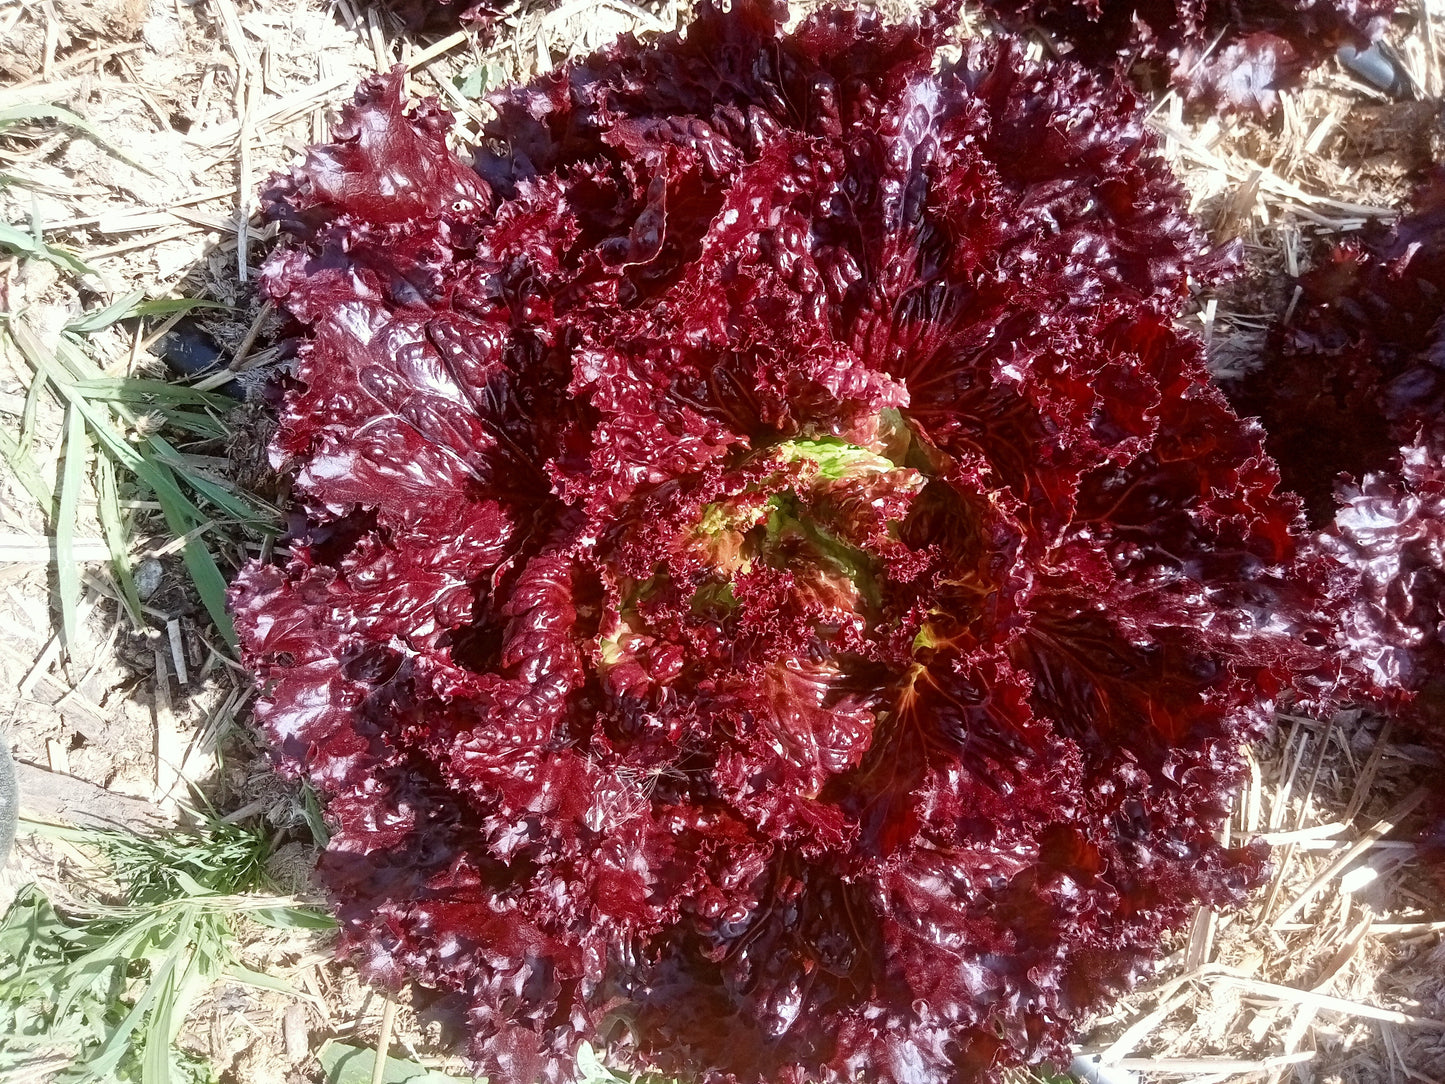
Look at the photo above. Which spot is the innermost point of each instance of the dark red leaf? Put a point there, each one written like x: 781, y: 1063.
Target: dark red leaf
x: 1217, y: 53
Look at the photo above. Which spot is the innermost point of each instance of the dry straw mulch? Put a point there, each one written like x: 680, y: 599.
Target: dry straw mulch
x: 1336, y: 970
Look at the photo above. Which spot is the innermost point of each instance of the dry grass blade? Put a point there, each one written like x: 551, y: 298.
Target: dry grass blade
x: 1230, y: 1066
x: 67, y: 578
x: 276, y: 112
x: 40, y: 549
x: 1376, y: 832
x: 1328, y: 1003
x: 1306, y: 204
x: 39, y: 108
x: 1136, y: 1032
x: 1365, y: 784
x: 383, y: 1040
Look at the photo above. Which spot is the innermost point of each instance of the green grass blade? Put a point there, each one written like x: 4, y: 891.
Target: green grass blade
x: 185, y: 409
x: 167, y: 306
x: 215, y: 492
x: 117, y: 539
x: 242, y: 974
x: 210, y: 585
x: 311, y: 813
x: 148, y: 392
x: 133, y: 306
x: 292, y: 918
x: 218, y: 493
x: 155, y: 1063
x: 156, y: 476
x: 86, y: 375
x: 26, y: 245
x: 67, y: 575
x: 109, y: 986
x: 169, y: 1014
x: 33, y: 395
x: 76, y: 360
x: 104, y: 317
x: 24, y: 467
x: 183, y: 517
x: 103, y: 1064
x: 100, y: 966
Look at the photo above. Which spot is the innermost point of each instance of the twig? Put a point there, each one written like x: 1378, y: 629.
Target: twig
x: 252, y: 334
x: 383, y: 1040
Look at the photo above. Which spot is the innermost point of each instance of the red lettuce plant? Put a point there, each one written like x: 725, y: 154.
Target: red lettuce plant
x: 779, y: 595
x: 1355, y: 373
x: 1389, y: 535
x: 1231, y: 54
x: 1351, y: 392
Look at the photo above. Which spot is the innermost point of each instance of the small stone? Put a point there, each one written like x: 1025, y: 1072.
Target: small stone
x: 148, y: 575
x: 1375, y: 66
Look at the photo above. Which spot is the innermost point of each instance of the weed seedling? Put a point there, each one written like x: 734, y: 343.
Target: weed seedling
x: 102, y: 987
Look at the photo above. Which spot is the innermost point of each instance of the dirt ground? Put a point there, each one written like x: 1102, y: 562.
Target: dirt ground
x: 1336, y: 970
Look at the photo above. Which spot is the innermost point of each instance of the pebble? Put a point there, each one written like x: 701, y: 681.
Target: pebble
x: 148, y: 576
x: 1376, y: 68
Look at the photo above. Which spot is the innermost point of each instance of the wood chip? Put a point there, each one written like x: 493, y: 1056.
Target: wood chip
x: 170, y: 750
x: 178, y: 653
x: 294, y: 1033
x: 58, y: 755
x: 59, y: 798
